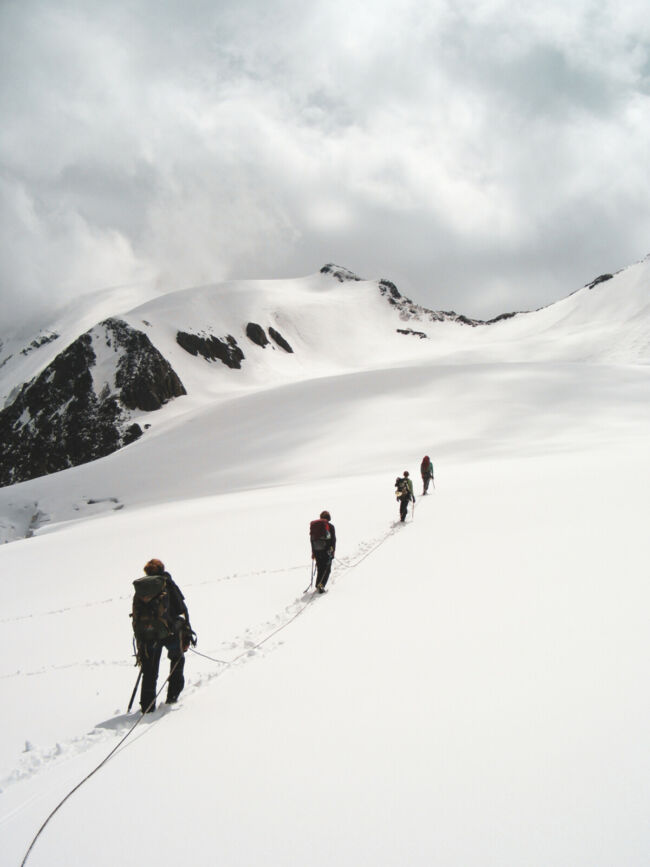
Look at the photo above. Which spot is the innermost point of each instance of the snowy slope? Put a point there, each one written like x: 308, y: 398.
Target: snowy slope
x: 470, y: 692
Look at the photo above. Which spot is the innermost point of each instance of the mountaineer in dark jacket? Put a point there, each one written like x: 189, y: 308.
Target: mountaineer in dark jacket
x: 322, y: 536
x: 404, y: 493
x: 160, y: 619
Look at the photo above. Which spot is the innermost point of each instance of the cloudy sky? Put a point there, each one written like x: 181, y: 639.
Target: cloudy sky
x: 484, y: 155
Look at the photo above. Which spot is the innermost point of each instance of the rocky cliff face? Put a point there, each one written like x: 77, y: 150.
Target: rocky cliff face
x: 79, y: 407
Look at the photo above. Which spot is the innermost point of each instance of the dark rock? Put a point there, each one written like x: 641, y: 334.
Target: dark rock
x: 279, y: 339
x: 501, y: 317
x: 42, y: 340
x: 145, y: 378
x: 343, y: 275
x: 386, y: 286
x: 132, y: 433
x: 37, y: 437
x: 57, y: 420
x: 419, y: 334
x: 211, y: 348
x: 408, y: 310
x: 257, y: 334
x: 601, y: 279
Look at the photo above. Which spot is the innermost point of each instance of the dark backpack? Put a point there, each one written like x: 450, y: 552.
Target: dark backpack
x: 151, y: 616
x: 402, y: 487
x: 320, y: 535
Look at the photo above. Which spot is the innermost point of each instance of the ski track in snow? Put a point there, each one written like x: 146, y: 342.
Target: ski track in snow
x: 255, y: 642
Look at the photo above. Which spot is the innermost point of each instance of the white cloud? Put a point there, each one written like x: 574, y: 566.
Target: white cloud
x: 454, y: 146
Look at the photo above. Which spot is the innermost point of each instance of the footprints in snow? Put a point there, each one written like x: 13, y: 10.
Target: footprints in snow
x: 255, y: 642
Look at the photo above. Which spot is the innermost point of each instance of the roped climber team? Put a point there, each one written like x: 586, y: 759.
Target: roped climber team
x: 160, y: 617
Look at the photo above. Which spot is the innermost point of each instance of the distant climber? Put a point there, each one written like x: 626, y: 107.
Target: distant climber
x: 426, y: 471
x: 322, y: 536
x: 404, y: 493
x: 160, y: 619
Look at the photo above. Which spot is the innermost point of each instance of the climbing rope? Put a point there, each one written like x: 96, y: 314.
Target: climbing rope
x: 211, y: 658
x: 346, y: 567
x: 139, y: 720
x: 100, y: 765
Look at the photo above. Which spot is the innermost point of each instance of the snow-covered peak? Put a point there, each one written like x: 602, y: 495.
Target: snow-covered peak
x: 214, y: 342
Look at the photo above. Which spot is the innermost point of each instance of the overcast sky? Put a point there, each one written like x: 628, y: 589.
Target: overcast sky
x: 485, y: 156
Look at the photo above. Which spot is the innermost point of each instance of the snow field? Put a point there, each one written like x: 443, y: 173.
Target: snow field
x: 472, y: 690
x: 453, y: 697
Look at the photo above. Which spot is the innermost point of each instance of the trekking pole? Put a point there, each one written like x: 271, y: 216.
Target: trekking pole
x: 313, y: 572
x: 135, y: 689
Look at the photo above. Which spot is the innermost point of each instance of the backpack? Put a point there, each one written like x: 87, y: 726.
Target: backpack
x: 151, y: 616
x: 403, y: 489
x: 319, y: 534
x: 426, y: 467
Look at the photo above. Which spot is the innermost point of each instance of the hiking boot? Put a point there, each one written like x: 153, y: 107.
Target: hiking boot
x: 171, y: 699
x: 151, y: 709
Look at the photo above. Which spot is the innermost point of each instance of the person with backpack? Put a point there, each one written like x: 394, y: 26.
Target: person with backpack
x: 160, y: 619
x: 404, y: 493
x: 426, y: 471
x: 322, y: 537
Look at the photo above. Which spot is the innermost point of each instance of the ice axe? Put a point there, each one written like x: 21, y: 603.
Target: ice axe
x: 135, y: 689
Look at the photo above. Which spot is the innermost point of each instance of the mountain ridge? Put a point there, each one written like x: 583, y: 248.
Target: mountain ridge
x: 267, y: 332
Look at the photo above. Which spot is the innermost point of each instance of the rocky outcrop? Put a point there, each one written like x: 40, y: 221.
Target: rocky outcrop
x: 343, y: 275
x: 41, y: 340
x: 257, y: 334
x: 419, y: 334
x: 72, y: 413
x: 409, y: 310
x: 144, y: 378
x: 279, y: 339
x: 601, y: 279
x: 211, y: 348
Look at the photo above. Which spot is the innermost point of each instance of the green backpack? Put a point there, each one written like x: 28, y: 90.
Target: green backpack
x: 151, y: 619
